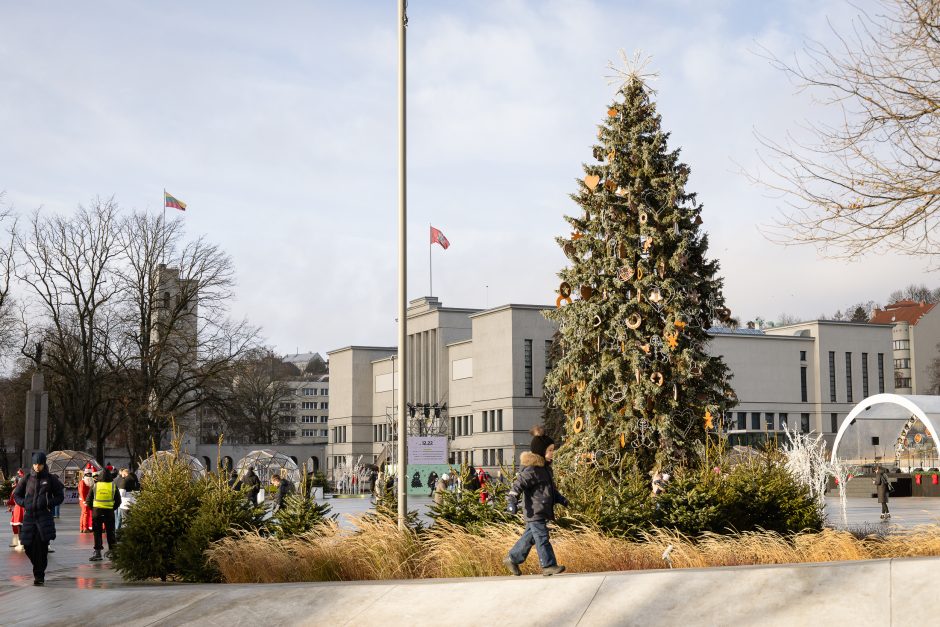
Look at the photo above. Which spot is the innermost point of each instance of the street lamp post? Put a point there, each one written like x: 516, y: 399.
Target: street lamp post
x: 402, y: 269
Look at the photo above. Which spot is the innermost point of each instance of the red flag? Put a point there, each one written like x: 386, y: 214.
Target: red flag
x: 438, y: 238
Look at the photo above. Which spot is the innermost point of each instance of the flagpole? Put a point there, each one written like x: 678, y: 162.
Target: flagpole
x: 163, y: 228
x: 430, y: 266
x: 402, y: 273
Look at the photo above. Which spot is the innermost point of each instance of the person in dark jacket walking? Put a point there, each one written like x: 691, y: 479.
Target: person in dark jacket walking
x: 38, y: 495
x: 881, y: 482
x: 284, y: 489
x: 535, y: 483
x: 103, y: 499
x: 251, y: 481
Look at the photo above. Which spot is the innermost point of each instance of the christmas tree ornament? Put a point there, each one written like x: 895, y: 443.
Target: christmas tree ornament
x: 655, y: 296
x: 612, y: 112
x: 634, y: 321
x: 661, y: 269
x: 623, y: 440
x: 672, y: 339
x: 625, y: 273
x: 620, y: 191
x: 570, y: 250
x: 578, y: 425
x: 657, y: 379
x: 576, y: 236
x: 643, y: 217
x: 597, y: 322
x: 610, y: 157
x: 708, y: 419
x: 591, y: 181
x: 610, y: 185
x: 586, y: 291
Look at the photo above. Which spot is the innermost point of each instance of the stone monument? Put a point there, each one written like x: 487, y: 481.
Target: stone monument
x: 37, y: 413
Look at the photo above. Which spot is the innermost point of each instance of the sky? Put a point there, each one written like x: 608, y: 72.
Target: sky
x: 277, y: 124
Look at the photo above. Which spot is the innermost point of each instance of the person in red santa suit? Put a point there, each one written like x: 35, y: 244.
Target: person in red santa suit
x: 16, y: 519
x: 481, y: 476
x: 84, y: 487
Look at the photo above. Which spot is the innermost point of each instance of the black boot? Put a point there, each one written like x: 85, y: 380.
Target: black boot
x: 96, y: 557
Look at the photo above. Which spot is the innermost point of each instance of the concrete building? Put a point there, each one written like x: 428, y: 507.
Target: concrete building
x: 806, y: 376
x: 915, y: 337
x: 484, y: 369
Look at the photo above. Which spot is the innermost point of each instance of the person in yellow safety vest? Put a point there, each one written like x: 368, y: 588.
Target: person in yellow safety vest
x: 103, y: 498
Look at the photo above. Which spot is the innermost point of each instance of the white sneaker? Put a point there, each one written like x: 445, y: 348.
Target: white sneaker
x: 20, y: 548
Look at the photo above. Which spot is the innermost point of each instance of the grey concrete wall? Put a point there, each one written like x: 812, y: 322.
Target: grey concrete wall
x: 877, y: 593
x: 924, y: 338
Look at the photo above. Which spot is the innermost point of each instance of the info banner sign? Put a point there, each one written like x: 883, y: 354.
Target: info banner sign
x: 422, y: 478
x: 427, y: 450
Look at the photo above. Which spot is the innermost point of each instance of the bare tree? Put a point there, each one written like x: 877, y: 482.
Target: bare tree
x: 873, y: 180
x: 251, y: 405
x: 917, y: 293
x: 68, y: 264
x: 178, y: 340
x: 7, y: 257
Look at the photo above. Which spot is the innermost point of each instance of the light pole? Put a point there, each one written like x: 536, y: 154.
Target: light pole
x: 402, y: 269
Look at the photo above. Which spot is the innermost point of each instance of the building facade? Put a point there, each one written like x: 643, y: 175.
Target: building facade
x: 915, y: 337
x: 484, y: 370
x: 805, y: 376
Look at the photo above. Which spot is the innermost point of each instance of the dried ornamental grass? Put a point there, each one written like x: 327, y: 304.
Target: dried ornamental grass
x: 378, y: 550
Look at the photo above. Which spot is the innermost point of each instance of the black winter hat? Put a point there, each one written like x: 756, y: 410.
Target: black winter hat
x: 540, y: 444
x: 39, y: 457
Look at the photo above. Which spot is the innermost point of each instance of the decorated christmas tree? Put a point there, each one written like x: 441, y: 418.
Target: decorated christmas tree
x: 634, y: 378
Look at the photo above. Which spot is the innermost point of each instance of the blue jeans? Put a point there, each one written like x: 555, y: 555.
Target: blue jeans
x: 117, y: 519
x: 536, y: 533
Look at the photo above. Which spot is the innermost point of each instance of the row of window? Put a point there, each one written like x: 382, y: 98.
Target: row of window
x: 381, y: 433
x: 849, y: 398
x: 313, y: 433
x: 902, y: 345
x: 771, y: 421
x: 491, y: 420
x: 313, y: 405
x: 309, y: 418
x: 902, y: 364
x: 313, y: 392
x: 338, y: 435
x: 488, y: 457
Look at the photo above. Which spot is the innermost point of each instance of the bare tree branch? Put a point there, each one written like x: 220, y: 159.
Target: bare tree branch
x: 871, y: 182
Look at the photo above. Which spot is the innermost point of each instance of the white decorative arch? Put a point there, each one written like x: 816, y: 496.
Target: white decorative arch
x: 919, y: 406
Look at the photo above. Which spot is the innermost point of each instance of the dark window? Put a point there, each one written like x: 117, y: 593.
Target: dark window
x: 902, y: 382
x: 875, y: 440
x: 453, y: 426
x: 865, y: 375
x: 881, y: 373
x: 902, y: 364
x: 499, y: 419
x: 848, y: 377
x: 804, y: 394
x: 769, y: 420
x: 499, y: 455
x: 802, y: 355
x: 485, y: 421
x: 548, y: 355
x: 486, y: 457
x: 755, y: 420
x: 832, y: 376
x: 527, y: 367
x: 834, y: 422
x: 784, y: 423
x: 742, y: 420
x: 902, y: 345
x: 804, y: 423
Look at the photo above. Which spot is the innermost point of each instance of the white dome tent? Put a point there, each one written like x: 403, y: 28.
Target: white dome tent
x: 890, y: 428
x: 67, y: 465
x: 196, y: 468
x: 268, y: 463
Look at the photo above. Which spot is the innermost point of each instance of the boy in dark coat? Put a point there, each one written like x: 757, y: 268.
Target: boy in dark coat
x: 38, y: 495
x: 536, y: 484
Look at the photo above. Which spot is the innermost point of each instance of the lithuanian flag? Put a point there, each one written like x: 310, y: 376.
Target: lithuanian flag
x: 174, y: 203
